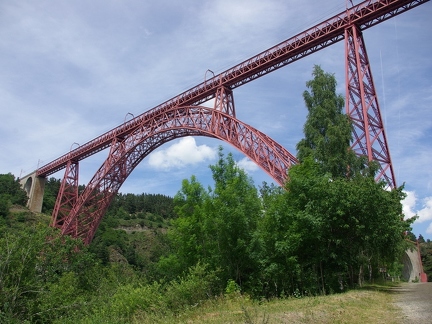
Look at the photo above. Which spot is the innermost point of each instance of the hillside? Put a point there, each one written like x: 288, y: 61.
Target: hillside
x: 120, y: 294
x: 129, y: 272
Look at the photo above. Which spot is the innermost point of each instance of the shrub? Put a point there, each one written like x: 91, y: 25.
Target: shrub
x: 198, y: 285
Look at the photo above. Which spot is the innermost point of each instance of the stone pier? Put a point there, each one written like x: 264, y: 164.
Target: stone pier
x: 34, y: 186
x: 413, y: 268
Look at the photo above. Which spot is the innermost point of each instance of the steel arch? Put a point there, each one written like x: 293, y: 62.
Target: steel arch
x: 127, y: 152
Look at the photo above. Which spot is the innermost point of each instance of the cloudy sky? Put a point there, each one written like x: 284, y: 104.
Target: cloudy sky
x: 71, y: 70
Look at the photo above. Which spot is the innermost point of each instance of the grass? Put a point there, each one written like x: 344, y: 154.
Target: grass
x: 370, y: 305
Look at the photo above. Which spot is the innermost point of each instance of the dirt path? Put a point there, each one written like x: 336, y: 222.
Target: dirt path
x: 415, y: 300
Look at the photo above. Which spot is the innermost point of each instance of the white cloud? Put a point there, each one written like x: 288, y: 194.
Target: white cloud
x: 184, y: 152
x: 247, y: 165
x: 409, y: 204
x: 410, y: 207
x: 429, y: 229
x: 425, y: 214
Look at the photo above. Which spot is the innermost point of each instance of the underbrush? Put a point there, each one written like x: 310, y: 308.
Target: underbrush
x: 356, y: 306
x: 141, y: 302
x: 190, y: 301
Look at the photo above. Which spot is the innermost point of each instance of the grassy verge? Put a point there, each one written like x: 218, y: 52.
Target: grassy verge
x: 357, y: 306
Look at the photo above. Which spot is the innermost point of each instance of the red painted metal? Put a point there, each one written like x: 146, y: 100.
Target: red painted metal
x: 423, y: 275
x: 363, y: 15
x: 67, y: 195
x: 182, y: 116
x: 126, y: 153
x: 224, y: 101
x: 363, y: 109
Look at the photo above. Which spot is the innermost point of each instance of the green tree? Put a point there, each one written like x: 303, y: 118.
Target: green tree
x: 4, y: 206
x: 358, y: 225
x: 232, y: 219
x: 52, y: 187
x: 187, y: 236
x: 279, y: 236
x: 191, y: 239
x: 327, y: 130
x: 411, y: 236
x: 357, y: 221
x: 33, y: 261
x: 334, y: 224
x: 11, y: 190
x: 216, y: 227
x: 426, y: 256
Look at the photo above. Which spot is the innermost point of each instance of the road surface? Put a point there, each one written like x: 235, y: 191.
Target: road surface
x: 415, y: 300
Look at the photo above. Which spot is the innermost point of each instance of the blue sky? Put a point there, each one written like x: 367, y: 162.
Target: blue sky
x: 71, y: 70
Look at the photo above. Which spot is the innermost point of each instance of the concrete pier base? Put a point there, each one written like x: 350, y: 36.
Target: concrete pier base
x: 35, y: 187
x: 413, y: 270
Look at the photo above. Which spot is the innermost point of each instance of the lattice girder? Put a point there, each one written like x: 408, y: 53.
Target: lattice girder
x: 67, y: 195
x: 365, y: 15
x: 178, y: 122
x: 224, y: 101
x: 369, y: 138
x: 181, y: 115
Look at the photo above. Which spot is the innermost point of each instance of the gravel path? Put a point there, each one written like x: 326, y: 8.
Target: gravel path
x: 415, y: 300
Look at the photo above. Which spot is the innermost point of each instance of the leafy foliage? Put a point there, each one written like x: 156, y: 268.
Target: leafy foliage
x: 334, y: 223
x: 155, y: 204
x: 11, y: 193
x: 52, y: 187
x: 46, y: 277
x: 143, y: 216
x: 217, y: 226
x: 426, y: 257
x: 36, y: 262
x: 327, y: 130
x: 356, y: 224
x: 138, y: 238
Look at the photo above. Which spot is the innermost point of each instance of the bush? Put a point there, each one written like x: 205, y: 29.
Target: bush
x: 4, y: 206
x: 133, y: 300
x: 11, y: 188
x: 198, y: 285
x: 128, y: 299
x: 62, y: 299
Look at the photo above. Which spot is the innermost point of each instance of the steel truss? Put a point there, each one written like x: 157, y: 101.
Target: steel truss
x: 67, y: 196
x: 126, y: 153
x: 363, y: 109
x: 182, y: 116
x: 364, y: 15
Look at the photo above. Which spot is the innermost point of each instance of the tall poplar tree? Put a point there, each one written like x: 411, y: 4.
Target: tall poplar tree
x: 327, y: 131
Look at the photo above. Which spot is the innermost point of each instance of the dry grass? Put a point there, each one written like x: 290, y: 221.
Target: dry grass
x: 357, y: 306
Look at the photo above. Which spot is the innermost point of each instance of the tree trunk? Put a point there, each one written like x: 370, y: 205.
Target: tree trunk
x: 370, y: 270
x: 322, y: 279
x: 360, y: 276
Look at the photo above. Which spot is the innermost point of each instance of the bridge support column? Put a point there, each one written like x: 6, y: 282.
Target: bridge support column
x: 67, y: 195
x: 369, y: 138
x: 413, y: 268
x: 35, y: 187
x: 224, y: 101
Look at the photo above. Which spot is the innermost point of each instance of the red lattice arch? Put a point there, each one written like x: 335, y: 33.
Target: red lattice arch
x: 128, y: 151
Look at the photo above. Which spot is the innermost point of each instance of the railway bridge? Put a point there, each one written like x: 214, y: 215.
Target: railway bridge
x: 128, y: 144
